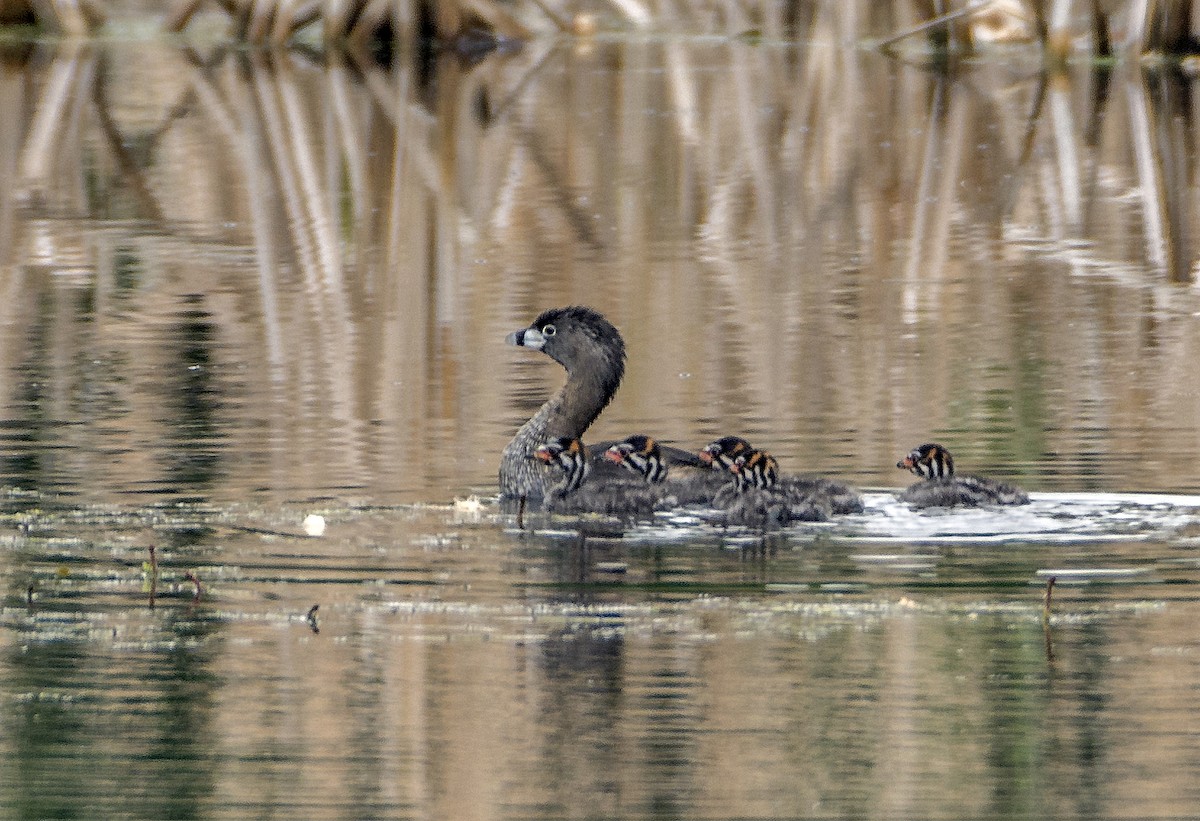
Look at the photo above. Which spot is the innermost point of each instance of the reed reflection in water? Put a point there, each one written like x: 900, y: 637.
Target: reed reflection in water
x: 259, y: 283
x: 988, y: 257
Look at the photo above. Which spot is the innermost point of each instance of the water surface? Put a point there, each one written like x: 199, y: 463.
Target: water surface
x: 240, y: 290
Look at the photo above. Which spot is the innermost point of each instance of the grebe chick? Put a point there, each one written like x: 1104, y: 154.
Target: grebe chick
x: 641, y: 455
x: 681, y: 482
x: 593, y: 354
x: 755, y: 468
x: 569, y: 456
x: 758, y: 469
x: 757, y: 499
x: 942, y: 488
x: 720, y: 455
x: 623, y: 495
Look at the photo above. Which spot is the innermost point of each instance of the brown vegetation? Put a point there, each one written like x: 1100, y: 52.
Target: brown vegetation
x: 1101, y: 27
x: 276, y: 22
x: 74, y: 18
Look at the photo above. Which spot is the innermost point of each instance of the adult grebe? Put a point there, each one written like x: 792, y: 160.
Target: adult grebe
x: 593, y: 354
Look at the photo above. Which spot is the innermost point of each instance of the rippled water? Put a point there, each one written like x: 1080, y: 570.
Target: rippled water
x: 891, y: 663
x: 241, y: 291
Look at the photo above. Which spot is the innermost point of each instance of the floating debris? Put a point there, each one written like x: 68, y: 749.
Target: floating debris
x: 471, y: 504
x: 314, y: 525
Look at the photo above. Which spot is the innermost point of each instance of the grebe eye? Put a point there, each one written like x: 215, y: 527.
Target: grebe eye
x: 549, y: 330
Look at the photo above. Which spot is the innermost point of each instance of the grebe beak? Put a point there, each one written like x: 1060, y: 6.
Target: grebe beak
x: 526, y: 338
x: 906, y: 463
x: 614, y: 455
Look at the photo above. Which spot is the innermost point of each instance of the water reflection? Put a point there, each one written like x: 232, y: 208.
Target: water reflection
x: 243, y: 288
x: 85, y: 735
x: 477, y: 676
x: 984, y: 257
x: 191, y: 401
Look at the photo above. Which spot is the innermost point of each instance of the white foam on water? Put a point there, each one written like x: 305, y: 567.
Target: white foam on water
x: 1050, y: 518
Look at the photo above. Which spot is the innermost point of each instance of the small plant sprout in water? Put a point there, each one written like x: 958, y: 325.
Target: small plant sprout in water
x: 150, y: 570
x: 311, y: 617
x: 194, y: 579
x: 314, y: 525
x: 1046, y: 618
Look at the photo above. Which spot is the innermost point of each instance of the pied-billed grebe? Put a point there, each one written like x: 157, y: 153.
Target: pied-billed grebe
x: 687, y: 483
x: 641, y: 455
x: 623, y: 493
x: 569, y: 456
x: 942, y: 488
x: 756, y: 498
x: 760, y: 496
x: 721, y: 453
x: 756, y: 468
x: 593, y: 353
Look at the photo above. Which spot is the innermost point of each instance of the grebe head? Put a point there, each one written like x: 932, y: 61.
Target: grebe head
x: 568, y: 455
x: 931, y: 461
x: 721, y: 454
x: 576, y: 336
x: 641, y: 455
x: 755, y: 468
